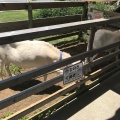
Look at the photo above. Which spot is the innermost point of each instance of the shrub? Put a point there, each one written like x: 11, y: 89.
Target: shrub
x: 53, y: 12
x: 102, y: 6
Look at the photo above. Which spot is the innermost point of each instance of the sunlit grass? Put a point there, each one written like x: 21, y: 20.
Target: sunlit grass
x: 10, y: 16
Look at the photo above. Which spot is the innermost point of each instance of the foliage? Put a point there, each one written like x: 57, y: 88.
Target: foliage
x: 7, y: 115
x: 67, y: 39
x: 102, y: 6
x: 23, y: 118
x: 14, y: 70
x: 53, y: 12
x: 10, y: 113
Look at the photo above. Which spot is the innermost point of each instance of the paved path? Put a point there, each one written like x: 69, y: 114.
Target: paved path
x: 101, y: 103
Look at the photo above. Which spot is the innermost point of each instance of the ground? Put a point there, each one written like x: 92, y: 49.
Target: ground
x: 73, y: 48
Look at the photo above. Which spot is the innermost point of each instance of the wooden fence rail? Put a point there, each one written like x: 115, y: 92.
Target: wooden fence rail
x: 20, y: 35
x: 11, y: 26
x: 30, y: 23
x: 38, y: 5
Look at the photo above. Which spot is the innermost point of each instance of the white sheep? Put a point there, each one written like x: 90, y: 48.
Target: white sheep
x: 29, y: 54
x: 103, y: 38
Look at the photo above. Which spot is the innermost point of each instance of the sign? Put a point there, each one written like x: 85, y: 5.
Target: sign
x: 73, y: 73
x: 97, y: 14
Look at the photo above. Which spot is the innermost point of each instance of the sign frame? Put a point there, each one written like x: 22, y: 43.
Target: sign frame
x: 73, y: 73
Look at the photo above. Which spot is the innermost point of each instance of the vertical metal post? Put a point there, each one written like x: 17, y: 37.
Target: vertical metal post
x: 91, y: 39
x: 90, y: 47
x: 30, y: 24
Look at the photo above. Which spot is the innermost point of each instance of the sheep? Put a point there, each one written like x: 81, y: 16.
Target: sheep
x: 29, y: 54
x: 103, y: 38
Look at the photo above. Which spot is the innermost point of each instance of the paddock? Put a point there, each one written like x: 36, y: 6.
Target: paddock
x: 52, y: 91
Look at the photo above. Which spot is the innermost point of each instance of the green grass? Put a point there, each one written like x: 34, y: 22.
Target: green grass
x: 102, y: 6
x: 67, y: 39
x: 10, y: 113
x: 14, y: 70
x: 7, y: 115
x: 10, y: 16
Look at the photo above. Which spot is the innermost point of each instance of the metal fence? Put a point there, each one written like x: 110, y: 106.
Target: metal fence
x: 97, y: 75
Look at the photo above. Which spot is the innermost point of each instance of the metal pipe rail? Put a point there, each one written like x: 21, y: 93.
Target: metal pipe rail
x: 37, y: 88
x: 21, y: 35
x: 32, y: 33
x: 48, y: 68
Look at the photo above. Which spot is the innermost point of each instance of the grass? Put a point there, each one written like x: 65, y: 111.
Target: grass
x: 10, y: 16
x: 10, y: 113
x: 14, y: 70
x: 67, y: 39
x: 7, y: 115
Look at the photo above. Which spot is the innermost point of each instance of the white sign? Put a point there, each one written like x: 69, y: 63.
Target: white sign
x: 73, y: 73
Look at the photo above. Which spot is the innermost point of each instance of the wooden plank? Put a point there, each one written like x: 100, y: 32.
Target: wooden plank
x: 43, y: 70
x: 83, y: 17
x: 85, y: 11
x: 38, y: 5
x: 11, y: 26
x: 13, y: 6
x: 30, y: 25
x: 57, y: 20
x: 57, y: 4
x: 15, y: 36
x: 91, y: 40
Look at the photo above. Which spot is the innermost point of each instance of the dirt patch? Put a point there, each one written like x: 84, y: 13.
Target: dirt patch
x: 73, y: 48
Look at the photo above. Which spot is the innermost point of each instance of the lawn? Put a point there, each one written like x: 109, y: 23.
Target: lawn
x: 9, y: 16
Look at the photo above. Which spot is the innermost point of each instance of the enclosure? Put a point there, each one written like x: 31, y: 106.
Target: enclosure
x: 65, y: 26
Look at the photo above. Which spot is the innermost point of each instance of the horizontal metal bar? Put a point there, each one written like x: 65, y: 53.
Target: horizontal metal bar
x: 103, y: 70
x: 45, y: 69
x: 28, y: 34
x: 57, y: 20
x: 102, y: 59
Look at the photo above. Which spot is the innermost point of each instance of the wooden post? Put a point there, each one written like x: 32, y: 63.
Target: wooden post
x: 85, y: 11
x: 30, y: 24
x: 91, y: 40
x: 83, y: 17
